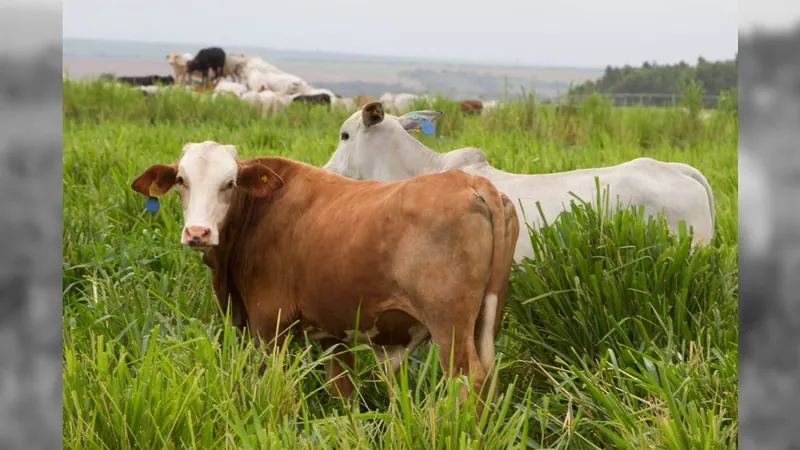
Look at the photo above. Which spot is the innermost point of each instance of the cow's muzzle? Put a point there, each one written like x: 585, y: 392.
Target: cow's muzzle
x: 197, y: 236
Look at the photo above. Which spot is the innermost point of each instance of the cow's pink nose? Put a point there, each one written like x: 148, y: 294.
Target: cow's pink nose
x: 197, y: 235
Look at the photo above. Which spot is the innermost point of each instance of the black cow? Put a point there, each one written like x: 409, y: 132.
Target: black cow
x: 211, y: 58
x: 148, y: 80
x: 322, y: 98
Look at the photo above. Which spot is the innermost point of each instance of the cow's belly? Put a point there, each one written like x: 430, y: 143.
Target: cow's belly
x: 390, y: 328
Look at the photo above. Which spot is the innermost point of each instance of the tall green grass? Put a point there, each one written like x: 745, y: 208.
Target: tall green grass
x: 619, y: 337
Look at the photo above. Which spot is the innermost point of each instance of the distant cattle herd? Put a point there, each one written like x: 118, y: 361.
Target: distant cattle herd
x: 262, y: 84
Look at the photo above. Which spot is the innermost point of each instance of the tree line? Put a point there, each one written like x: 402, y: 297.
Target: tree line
x: 715, y: 78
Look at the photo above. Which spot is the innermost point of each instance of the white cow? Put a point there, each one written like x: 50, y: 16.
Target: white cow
x: 256, y: 80
x: 348, y: 103
x: 402, y: 102
x: 251, y: 97
x: 287, y: 83
x: 149, y: 90
x: 257, y: 63
x: 235, y: 66
x: 376, y: 146
x: 266, y: 101
x: 284, y: 83
x: 387, y: 100
x: 488, y: 106
x: 232, y: 87
x: 272, y: 102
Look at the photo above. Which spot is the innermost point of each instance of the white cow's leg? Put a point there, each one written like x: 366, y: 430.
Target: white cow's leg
x: 391, y: 356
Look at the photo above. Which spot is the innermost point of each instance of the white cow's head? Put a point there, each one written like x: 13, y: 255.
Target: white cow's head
x: 207, y: 175
x: 365, y: 136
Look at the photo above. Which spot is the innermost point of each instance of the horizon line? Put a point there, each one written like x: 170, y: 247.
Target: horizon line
x: 350, y: 54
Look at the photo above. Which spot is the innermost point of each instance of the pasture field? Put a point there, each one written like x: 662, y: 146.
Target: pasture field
x: 620, y: 338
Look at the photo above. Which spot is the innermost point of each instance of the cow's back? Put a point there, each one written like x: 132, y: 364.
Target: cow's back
x: 656, y: 185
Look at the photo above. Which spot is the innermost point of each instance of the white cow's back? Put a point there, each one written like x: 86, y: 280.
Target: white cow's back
x: 643, y: 181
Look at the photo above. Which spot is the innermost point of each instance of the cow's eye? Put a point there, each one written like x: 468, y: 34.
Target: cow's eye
x: 179, y: 181
x: 345, y: 136
x: 228, y: 185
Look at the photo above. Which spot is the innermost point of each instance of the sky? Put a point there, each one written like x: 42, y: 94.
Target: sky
x: 581, y: 33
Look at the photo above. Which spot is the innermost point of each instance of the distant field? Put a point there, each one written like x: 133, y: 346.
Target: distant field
x: 315, y: 71
x: 619, y: 338
x: 351, y: 74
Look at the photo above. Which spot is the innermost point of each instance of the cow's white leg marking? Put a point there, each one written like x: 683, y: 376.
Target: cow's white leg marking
x: 486, y: 345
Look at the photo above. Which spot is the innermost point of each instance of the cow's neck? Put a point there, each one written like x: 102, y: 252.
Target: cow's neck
x: 417, y: 158
x: 244, y: 225
x: 247, y: 213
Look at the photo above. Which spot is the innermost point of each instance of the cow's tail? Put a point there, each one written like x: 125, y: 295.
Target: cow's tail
x: 493, y: 303
x: 700, y: 178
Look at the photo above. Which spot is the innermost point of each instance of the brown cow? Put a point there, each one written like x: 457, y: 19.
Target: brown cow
x: 361, y: 100
x: 471, y: 106
x: 206, y: 87
x: 290, y: 242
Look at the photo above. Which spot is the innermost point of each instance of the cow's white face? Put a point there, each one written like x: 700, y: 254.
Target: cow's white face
x: 351, y: 137
x: 371, y: 143
x: 206, y: 178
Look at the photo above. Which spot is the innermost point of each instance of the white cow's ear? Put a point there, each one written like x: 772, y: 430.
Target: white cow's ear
x: 413, y: 120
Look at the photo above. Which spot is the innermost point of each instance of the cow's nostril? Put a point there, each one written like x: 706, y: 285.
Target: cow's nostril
x: 207, y: 232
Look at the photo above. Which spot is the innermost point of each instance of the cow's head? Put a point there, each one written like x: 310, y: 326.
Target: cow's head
x: 367, y: 134
x: 207, y: 175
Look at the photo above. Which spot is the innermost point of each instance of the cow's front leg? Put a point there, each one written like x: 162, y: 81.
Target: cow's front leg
x: 269, y: 331
x: 341, y: 387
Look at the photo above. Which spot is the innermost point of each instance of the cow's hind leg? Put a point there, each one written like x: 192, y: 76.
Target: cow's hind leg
x: 456, y: 339
x: 484, y: 345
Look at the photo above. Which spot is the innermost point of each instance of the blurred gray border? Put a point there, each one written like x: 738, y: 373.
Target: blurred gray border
x: 769, y: 285
x: 30, y: 225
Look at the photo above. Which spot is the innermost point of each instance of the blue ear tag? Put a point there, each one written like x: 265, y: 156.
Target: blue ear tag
x: 428, y: 128
x: 151, y: 204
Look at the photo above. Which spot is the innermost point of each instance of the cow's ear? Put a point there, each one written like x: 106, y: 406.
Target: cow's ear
x: 413, y: 120
x: 372, y: 114
x: 156, y: 181
x: 258, y: 180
